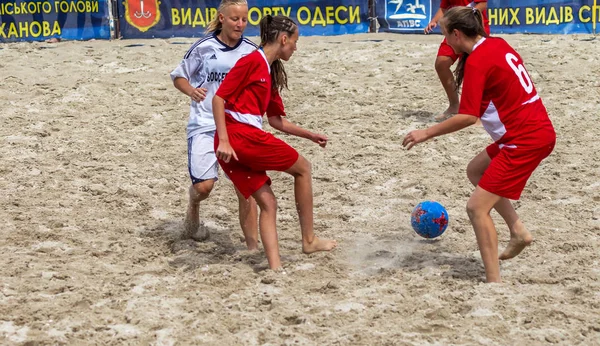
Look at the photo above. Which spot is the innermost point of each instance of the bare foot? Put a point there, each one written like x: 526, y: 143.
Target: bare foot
x: 318, y: 245
x: 201, y: 233
x: 191, y: 224
x: 53, y: 40
x: 448, y: 113
x: 251, y: 243
x: 520, y: 238
x: 192, y: 227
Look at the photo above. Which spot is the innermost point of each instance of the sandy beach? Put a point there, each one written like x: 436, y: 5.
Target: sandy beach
x: 93, y: 193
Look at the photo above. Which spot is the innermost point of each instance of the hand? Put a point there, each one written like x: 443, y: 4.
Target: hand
x: 225, y: 152
x: 321, y: 140
x: 430, y: 27
x: 199, y: 94
x: 414, y: 137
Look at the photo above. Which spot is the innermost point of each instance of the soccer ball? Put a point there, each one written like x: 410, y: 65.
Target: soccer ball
x: 429, y: 219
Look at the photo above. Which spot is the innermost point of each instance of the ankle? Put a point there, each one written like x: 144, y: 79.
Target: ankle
x: 252, y: 244
x: 309, y: 240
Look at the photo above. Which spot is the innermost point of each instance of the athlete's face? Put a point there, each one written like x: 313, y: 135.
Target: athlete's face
x: 452, y: 38
x: 234, y: 19
x: 288, y: 45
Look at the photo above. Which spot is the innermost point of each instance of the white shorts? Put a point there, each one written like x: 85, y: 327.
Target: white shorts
x: 202, y: 161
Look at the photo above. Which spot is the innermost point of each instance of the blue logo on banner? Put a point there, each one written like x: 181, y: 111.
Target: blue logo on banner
x: 408, y: 14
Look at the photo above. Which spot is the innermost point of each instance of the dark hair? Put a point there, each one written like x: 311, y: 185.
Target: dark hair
x: 469, y: 21
x: 270, y: 28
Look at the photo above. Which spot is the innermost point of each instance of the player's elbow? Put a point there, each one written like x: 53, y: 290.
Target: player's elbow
x: 217, y: 101
x: 276, y: 122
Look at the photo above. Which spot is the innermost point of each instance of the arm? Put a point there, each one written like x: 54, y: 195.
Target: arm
x: 190, y: 69
x: 224, y: 151
x: 283, y: 125
x: 455, y: 123
x: 183, y: 85
x: 481, y: 6
x: 438, y: 15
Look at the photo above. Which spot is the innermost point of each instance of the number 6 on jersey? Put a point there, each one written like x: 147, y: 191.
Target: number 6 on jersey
x: 520, y: 72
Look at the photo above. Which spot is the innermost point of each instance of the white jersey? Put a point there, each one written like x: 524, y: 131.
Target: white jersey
x: 205, y: 65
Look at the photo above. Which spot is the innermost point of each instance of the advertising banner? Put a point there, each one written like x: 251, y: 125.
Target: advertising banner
x: 189, y: 18
x: 38, y: 20
x: 543, y: 17
x: 405, y: 16
x: 506, y: 16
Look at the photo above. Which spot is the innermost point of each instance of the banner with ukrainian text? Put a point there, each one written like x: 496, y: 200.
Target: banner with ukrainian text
x: 506, y: 16
x: 543, y: 16
x: 38, y: 20
x: 189, y: 18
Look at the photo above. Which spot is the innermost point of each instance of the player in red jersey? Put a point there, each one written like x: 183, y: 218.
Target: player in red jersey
x: 498, y: 90
x: 246, y: 152
x: 446, y: 55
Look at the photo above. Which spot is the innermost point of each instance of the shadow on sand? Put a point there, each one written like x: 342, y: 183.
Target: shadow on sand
x: 224, y: 246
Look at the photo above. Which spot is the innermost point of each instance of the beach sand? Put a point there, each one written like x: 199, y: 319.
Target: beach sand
x: 93, y: 193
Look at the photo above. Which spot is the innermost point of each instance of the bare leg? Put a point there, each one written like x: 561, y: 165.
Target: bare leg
x: 520, y: 238
x: 301, y: 172
x: 268, y: 231
x: 198, y: 192
x: 442, y: 67
x: 248, y: 213
x: 478, y: 208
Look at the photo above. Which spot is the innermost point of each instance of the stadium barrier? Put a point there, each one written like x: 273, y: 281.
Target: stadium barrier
x: 183, y: 18
x: 506, y: 16
x: 37, y: 20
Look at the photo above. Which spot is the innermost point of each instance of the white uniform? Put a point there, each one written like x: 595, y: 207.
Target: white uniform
x: 205, y: 65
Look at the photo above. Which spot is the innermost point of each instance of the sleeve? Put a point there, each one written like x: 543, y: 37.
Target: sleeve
x: 275, y: 107
x: 191, y: 69
x: 478, y: 1
x: 444, y: 5
x: 236, y: 79
x: 472, y: 90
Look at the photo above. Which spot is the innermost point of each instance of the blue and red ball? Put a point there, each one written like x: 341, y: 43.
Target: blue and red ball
x: 429, y: 219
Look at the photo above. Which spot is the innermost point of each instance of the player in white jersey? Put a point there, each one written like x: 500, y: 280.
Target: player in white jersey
x: 199, y: 75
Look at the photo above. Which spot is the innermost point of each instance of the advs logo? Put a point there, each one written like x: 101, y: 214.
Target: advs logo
x: 407, y: 9
x: 407, y: 14
x: 142, y: 14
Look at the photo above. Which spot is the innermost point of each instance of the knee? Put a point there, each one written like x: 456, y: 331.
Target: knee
x: 471, y: 210
x: 267, y: 204
x: 443, y: 63
x: 246, y: 204
x: 474, y: 210
x: 303, y: 167
x: 473, y: 173
x: 203, y: 189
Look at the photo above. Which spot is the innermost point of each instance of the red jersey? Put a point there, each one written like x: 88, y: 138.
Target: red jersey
x: 247, y: 90
x: 498, y: 89
x: 448, y: 4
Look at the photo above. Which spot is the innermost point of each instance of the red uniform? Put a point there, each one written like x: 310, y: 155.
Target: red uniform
x: 498, y: 89
x: 248, y: 94
x: 445, y: 49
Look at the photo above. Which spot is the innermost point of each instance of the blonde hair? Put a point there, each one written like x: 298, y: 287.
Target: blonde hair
x: 215, y: 24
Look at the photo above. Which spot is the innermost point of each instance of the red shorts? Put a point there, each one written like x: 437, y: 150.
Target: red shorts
x: 510, y: 169
x: 257, y: 151
x: 446, y: 50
